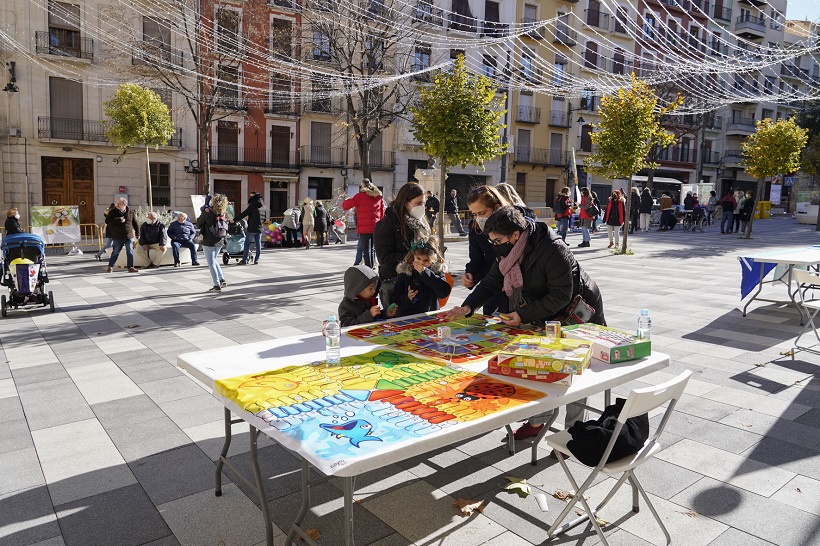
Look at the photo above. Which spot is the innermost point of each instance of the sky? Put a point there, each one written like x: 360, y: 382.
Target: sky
x: 803, y: 9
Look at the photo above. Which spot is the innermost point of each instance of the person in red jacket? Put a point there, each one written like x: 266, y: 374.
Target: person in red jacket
x: 369, y: 207
x: 584, y: 216
x: 614, y: 217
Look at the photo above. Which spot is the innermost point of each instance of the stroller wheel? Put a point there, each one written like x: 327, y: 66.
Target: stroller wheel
x: 3, y: 305
x: 51, y: 300
x: 225, y: 258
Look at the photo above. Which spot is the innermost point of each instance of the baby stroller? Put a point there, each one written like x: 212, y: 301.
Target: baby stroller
x: 235, y: 248
x: 24, y: 272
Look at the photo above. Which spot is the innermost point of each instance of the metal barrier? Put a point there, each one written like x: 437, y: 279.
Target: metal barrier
x: 90, y: 235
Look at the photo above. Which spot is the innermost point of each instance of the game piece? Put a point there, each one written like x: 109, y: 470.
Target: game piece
x: 392, y: 306
x: 553, y: 329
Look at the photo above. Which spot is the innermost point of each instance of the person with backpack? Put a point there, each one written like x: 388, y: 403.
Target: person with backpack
x: 728, y: 204
x: 255, y: 213
x: 586, y: 213
x: 563, y: 212
x: 213, y: 226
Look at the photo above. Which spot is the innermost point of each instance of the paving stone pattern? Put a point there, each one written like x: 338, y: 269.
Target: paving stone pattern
x: 104, y: 441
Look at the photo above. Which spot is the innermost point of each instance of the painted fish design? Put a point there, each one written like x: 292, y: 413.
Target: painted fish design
x: 357, y: 431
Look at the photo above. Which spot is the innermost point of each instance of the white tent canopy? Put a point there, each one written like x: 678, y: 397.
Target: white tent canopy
x: 659, y: 179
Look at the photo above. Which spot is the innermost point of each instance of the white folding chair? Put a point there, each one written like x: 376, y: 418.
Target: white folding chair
x: 806, y: 280
x: 640, y: 401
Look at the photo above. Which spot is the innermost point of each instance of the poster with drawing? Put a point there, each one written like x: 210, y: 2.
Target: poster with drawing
x: 56, y: 224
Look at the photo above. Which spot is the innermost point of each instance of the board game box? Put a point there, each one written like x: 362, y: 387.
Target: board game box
x: 470, y: 340
x: 537, y: 353
x: 544, y: 376
x: 608, y: 344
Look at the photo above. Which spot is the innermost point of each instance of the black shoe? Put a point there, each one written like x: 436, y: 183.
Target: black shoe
x: 194, y: 263
x: 242, y: 262
x: 215, y: 289
x: 584, y: 244
x: 222, y: 283
x: 98, y: 257
x: 176, y: 264
x: 151, y: 266
x: 255, y: 263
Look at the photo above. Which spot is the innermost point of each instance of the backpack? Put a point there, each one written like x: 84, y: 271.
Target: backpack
x: 220, y: 228
x: 560, y: 206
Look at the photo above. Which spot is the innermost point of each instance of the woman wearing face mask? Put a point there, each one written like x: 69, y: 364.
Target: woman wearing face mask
x: 539, y: 275
x: 483, y: 201
x: 13, y: 222
x: 403, y: 223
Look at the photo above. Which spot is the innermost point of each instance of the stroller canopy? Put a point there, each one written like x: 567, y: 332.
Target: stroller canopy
x: 23, y: 245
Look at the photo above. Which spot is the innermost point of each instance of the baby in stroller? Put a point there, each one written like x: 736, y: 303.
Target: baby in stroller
x: 235, y: 249
x: 24, y: 272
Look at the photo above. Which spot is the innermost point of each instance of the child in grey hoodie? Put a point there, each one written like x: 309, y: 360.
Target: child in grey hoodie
x: 359, y: 305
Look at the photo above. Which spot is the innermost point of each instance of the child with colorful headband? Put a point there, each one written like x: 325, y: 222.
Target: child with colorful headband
x: 421, y: 281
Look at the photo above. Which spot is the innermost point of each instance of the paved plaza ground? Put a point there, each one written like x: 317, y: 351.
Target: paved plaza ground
x: 104, y: 441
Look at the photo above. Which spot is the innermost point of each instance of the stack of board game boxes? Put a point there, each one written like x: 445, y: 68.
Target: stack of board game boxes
x: 558, y: 360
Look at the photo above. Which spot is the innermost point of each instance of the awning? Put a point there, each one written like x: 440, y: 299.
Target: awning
x: 279, y: 178
x: 662, y: 179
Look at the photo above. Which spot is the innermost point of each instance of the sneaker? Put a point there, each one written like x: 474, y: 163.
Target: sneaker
x: 222, y: 283
x: 527, y: 431
x: 133, y: 270
x: 194, y: 263
x: 214, y: 289
x: 109, y: 269
x: 176, y: 264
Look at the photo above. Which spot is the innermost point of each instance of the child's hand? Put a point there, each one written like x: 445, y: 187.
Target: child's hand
x: 418, y: 267
x: 391, y: 311
x: 375, y: 310
x: 411, y: 294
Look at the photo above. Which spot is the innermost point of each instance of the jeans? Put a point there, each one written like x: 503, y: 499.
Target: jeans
x: 211, y: 257
x: 108, y: 244
x: 563, y: 227
x: 250, y: 238
x: 187, y: 244
x: 726, y: 222
x: 737, y: 221
x: 291, y: 237
x: 585, y: 234
x: 359, y: 246
x: 118, y: 245
x: 709, y: 214
x: 367, y: 249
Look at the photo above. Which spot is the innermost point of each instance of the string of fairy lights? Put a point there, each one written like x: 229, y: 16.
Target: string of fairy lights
x: 568, y: 55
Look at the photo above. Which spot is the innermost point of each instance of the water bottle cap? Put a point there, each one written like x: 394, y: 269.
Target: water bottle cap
x: 644, y: 312
x: 332, y: 318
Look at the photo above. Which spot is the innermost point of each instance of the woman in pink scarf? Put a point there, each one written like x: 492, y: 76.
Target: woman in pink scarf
x: 540, y: 275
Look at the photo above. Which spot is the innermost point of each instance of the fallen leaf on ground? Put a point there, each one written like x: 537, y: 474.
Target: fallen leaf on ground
x: 560, y: 494
x: 787, y: 353
x: 690, y: 513
x: 518, y: 486
x: 357, y: 501
x: 314, y: 534
x: 602, y: 522
x: 797, y: 489
x: 467, y: 506
x: 133, y: 326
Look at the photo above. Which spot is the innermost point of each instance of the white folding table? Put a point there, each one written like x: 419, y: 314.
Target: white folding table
x: 216, y: 364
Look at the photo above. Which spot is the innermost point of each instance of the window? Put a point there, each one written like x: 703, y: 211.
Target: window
x: 421, y: 58
x: 618, y: 61
x: 228, y: 86
x: 227, y: 30
x: 586, y: 138
x: 527, y: 71
x: 649, y: 26
x: 558, y: 74
x: 64, y: 29
x: 412, y: 166
x: 588, y: 99
x: 320, y: 95
x: 766, y: 114
x: 454, y: 53
x: 281, y: 37
x: 489, y: 66
x: 374, y: 54
x: 461, y: 17
x: 521, y: 184
x: 167, y: 97
x: 66, y: 109
x: 530, y: 13
x: 321, y: 46
x: 621, y: 20
x: 591, y: 56
x: 156, y: 37
x: 161, y: 183
x: 281, y: 101
x: 320, y: 188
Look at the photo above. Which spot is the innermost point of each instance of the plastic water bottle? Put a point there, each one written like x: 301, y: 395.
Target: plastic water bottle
x: 332, y: 339
x: 644, y: 325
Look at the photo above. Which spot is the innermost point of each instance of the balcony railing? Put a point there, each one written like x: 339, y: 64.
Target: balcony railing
x: 716, y: 48
x: 279, y: 108
x: 462, y: 23
x: 793, y: 71
x: 321, y: 106
x: 494, y: 30
x: 378, y: 160
x: 740, y: 124
x: 594, y: 61
x: 289, y: 4
x: 595, y: 18
x: 322, y: 156
x: 722, y: 14
x: 677, y: 154
x: 711, y: 158
x: 528, y: 114
x: 750, y: 22
x: 531, y: 75
x: 232, y: 102
x: 565, y: 36
x: 253, y: 157
x: 65, y: 43
x: 732, y: 157
x: 83, y: 129
x: 427, y: 13
x: 539, y: 156
x: 559, y: 118
x: 150, y: 54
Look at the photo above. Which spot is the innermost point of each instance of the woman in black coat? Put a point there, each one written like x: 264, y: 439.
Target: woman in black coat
x: 12, y: 224
x: 646, y: 209
x: 550, y: 279
x: 320, y: 223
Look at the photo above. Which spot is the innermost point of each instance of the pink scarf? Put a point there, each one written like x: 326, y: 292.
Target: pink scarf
x: 510, y: 266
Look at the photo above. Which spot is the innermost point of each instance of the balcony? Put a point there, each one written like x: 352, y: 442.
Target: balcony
x: 740, y: 126
x: 595, y: 18
x: 494, y: 30
x: 322, y: 106
x: 722, y: 14
x: 462, y: 23
x: 322, y: 156
x: 232, y: 103
x: 790, y: 70
x: 695, y: 44
x: 712, y: 121
x: 379, y: 160
x: 312, y: 52
x: 732, y: 157
x: 288, y: 4
x: 64, y: 43
x: 427, y: 13
x: 528, y: 114
x: 565, y: 36
x: 153, y: 54
x: 750, y: 27
x: 532, y: 76
x: 716, y: 48
x: 83, y: 129
x: 539, y: 156
x: 231, y: 156
x: 282, y: 108
x: 559, y: 118
x: 687, y: 5
x: 677, y: 154
x: 620, y: 66
x: 594, y: 61
x: 711, y: 158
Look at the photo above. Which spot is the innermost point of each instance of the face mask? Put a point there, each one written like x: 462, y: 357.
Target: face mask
x: 17, y: 216
x: 480, y: 221
x: 417, y: 212
x: 503, y: 249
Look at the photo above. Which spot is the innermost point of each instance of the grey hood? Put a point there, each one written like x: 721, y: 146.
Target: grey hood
x: 357, y: 278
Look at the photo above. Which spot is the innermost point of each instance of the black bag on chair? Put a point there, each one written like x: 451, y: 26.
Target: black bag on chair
x: 590, y: 438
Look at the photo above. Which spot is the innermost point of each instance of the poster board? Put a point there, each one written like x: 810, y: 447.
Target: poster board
x: 56, y: 223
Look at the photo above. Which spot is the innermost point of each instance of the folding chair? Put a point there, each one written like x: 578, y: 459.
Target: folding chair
x: 806, y: 281
x: 640, y: 401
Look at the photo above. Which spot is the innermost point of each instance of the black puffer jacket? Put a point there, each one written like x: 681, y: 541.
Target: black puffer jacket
x: 13, y: 226
x: 646, y: 203
x: 552, y: 277
x: 431, y: 285
x: 391, y: 248
x: 254, y: 214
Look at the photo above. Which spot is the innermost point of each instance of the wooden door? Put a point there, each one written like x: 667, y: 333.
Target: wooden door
x: 232, y: 189
x: 280, y: 145
x: 69, y: 181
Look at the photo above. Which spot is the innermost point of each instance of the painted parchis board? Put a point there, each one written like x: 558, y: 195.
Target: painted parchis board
x: 471, y: 339
x: 369, y: 403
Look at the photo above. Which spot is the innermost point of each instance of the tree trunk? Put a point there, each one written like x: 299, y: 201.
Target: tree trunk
x: 206, y: 159
x: 148, y: 177
x: 650, y: 179
x: 364, y: 157
x: 442, y: 194
x: 627, y: 214
x: 747, y: 233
